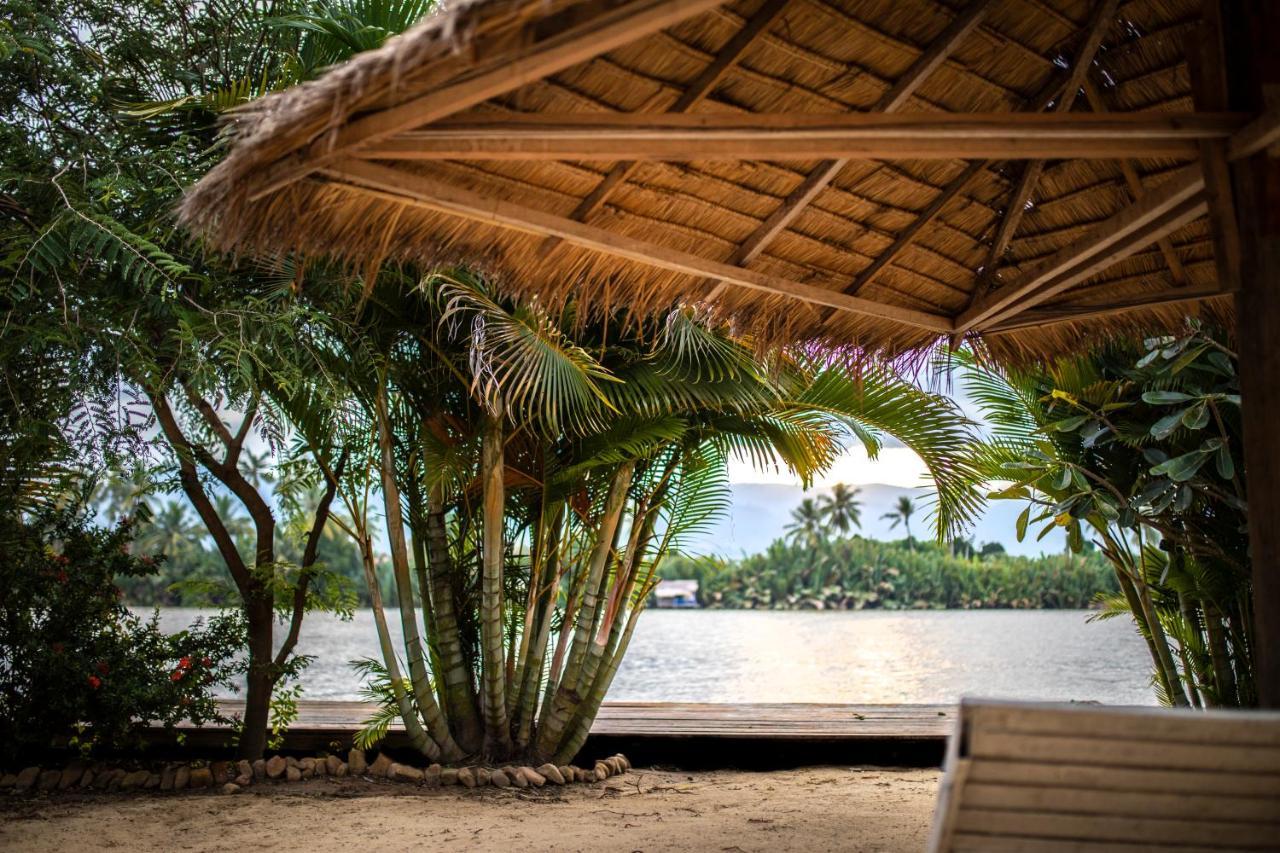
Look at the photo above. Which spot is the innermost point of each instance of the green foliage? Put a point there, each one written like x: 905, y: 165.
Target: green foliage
x: 863, y: 574
x: 1140, y: 449
x: 76, y: 666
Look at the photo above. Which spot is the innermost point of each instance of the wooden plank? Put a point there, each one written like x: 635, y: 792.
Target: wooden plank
x: 972, y: 842
x: 1112, y: 752
x: 1084, y: 801
x: 1258, y: 135
x: 1131, y: 829
x: 1238, y: 727
x: 1155, y: 205
x: 409, y: 188
x: 800, y: 136
x: 825, y: 172
x: 1108, y: 778
x: 601, y: 29
x: 710, y: 77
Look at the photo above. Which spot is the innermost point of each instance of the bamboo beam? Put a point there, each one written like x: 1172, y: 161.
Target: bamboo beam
x: 1103, y: 15
x: 725, y: 61
x: 1073, y: 313
x: 1097, y: 243
x: 1258, y: 135
x: 600, y: 30
x: 421, y: 191
x: 1131, y: 179
x: 824, y: 173
x: 800, y: 136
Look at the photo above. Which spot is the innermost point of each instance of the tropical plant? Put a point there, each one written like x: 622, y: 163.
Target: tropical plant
x: 807, y: 523
x: 842, y: 509
x: 901, y: 514
x: 1141, y: 448
x: 534, y: 470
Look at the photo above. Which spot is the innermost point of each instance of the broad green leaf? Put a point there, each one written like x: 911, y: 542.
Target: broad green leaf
x: 1023, y: 519
x: 1166, y: 398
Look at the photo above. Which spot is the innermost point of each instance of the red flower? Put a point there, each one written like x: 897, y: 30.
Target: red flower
x: 206, y: 661
x: 177, y: 675
x: 62, y: 576
x: 185, y: 663
x: 95, y: 682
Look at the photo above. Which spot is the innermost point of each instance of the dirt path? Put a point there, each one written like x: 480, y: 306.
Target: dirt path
x: 813, y: 809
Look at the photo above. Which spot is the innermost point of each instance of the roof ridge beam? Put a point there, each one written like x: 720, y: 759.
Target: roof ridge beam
x: 403, y: 187
x: 822, y: 175
x: 596, y: 34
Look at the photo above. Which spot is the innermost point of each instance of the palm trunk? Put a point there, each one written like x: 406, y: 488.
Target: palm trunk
x: 493, y: 669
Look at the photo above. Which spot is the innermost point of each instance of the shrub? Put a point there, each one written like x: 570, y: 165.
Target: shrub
x: 77, y: 668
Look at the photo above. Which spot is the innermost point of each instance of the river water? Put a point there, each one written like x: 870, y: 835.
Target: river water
x: 929, y: 656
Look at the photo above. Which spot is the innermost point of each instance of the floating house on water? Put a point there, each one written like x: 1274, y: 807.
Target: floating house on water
x: 676, y: 593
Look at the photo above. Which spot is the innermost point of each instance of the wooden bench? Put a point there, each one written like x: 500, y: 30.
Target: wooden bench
x: 1042, y: 777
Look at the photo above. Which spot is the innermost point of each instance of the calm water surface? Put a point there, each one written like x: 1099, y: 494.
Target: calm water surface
x: 867, y: 656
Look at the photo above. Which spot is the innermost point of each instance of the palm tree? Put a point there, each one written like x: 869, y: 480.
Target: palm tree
x: 901, y: 514
x: 842, y: 508
x: 808, y: 524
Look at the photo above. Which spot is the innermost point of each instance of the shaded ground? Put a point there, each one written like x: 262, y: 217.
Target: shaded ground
x: 812, y: 809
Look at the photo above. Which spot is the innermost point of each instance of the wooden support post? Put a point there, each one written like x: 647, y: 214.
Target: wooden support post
x: 1253, y: 83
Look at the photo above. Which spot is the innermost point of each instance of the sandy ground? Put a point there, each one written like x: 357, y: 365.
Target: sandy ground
x: 813, y: 809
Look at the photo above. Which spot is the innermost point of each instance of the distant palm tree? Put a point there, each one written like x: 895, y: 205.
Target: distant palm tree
x: 842, y: 509
x: 806, y: 527
x: 901, y: 514
x: 257, y: 469
x: 172, y: 531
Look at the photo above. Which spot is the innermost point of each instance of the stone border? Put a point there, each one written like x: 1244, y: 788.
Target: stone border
x: 232, y: 776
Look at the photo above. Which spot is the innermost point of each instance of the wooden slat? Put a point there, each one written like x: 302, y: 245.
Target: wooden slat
x: 1132, y: 829
x: 969, y: 842
x: 1155, y: 205
x: 710, y: 77
x: 1258, y: 135
x: 1123, y: 753
x: 1055, y: 800
x: 1109, y: 778
x: 1074, y: 313
x: 801, y: 136
x: 409, y: 188
x: 601, y: 29
x: 1240, y: 728
x: 825, y: 172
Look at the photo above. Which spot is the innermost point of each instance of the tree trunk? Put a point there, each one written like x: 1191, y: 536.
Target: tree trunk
x: 493, y: 670
x: 259, y: 613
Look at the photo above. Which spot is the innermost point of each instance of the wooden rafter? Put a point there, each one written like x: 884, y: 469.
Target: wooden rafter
x: 1103, y: 16
x: 600, y: 29
x: 1131, y: 179
x: 1073, y: 313
x: 801, y: 136
x: 824, y: 173
x: 1161, y: 211
x: 418, y: 190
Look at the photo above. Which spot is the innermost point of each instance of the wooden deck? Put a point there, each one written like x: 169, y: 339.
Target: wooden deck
x: 697, y: 734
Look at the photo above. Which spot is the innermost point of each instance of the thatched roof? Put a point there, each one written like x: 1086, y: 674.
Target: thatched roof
x: 637, y: 153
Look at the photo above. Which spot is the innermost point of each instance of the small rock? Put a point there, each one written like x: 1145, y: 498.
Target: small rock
x: 8, y: 780
x: 166, y: 777
x: 116, y: 780
x: 626, y: 762
x: 134, y: 780
x: 566, y: 773
x: 615, y: 766
x: 290, y: 761
x: 201, y: 777
x: 87, y: 779
x: 221, y: 771
x: 356, y: 763
x: 307, y: 766
x: 276, y: 765
x: 342, y: 769
x: 182, y: 778
x: 448, y: 776
x: 243, y: 780
x: 26, y: 779
x: 535, y: 778
x: 517, y: 778
x: 602, y: 771
x: 321, y: 766
x: 293, y: 774
x: 102, y: 781
x: 332, y: 765
x: 70, y: 776
x: 231, y: 788
x: 406, y: 773
x: 498, y: 779
x: 431, y: 778
x: 260, y: 769
x: 483, y: 775
x: 245, y: 768
x: 552, y: 773
x: 49, y: 780
x: 153, y: 781
x: 380, y: 766
x: 467, y: 777
x: 580, y: 775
